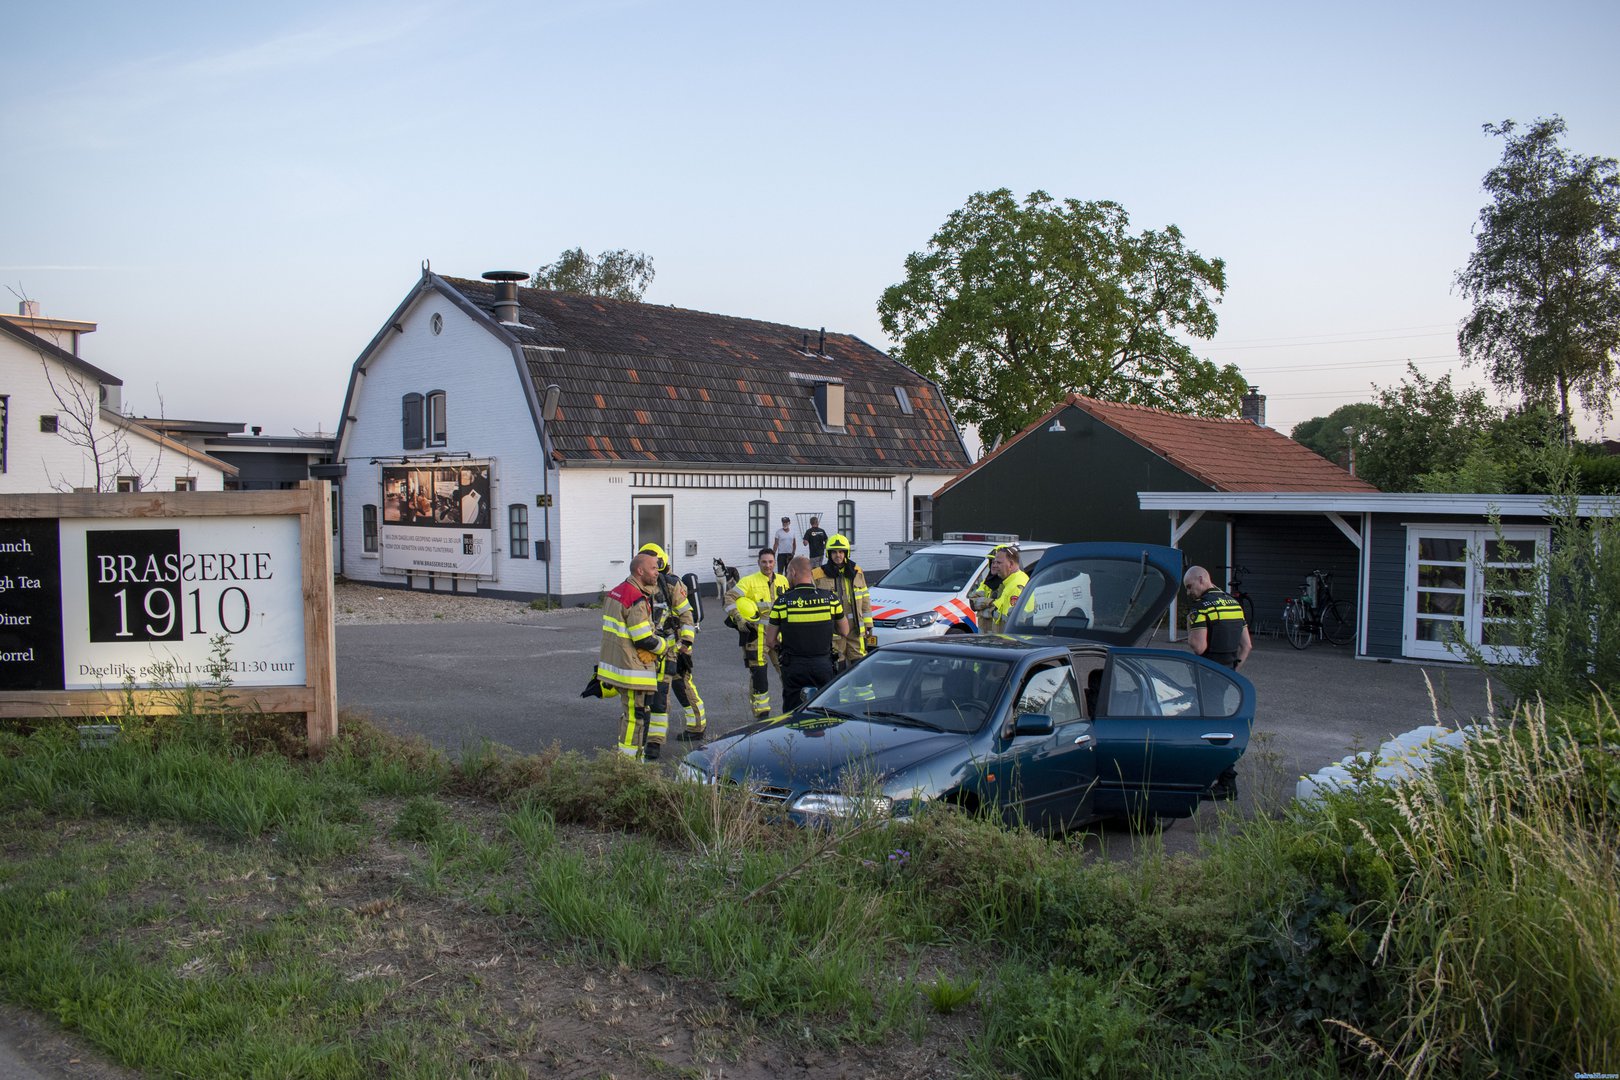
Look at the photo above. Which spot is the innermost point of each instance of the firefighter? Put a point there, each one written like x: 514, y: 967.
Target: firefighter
x: 841, y: 576
x: 993, y: 601
x: 632, y: 650
x: 760, y: 591
x: 672, y: 613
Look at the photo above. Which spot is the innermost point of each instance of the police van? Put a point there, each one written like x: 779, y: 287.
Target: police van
x: 926, y: 594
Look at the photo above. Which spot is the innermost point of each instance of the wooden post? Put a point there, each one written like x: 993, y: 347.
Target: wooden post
x: 320, y: 648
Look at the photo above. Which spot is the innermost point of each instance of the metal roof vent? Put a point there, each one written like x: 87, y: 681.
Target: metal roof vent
x: 506, y: 301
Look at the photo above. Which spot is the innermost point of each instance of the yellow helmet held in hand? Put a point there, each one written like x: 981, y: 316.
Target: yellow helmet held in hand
x: 838, y: 542
x: 747, y: 608
x: 657, y: 552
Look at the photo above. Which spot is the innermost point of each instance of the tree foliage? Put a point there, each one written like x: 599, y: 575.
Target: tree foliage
x: 1544, y: 278
x: 1420, y: 426
x: 1014, y: 305
x: 1325, y: 434
x: 617, y: 275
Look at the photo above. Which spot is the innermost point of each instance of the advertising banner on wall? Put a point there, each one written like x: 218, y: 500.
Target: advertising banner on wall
x: 101, y: 603
x: 437, y: 518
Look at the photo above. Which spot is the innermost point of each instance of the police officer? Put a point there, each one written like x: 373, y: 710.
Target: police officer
x: 803, y: 623
x: 672, y: 613
x: 748, y: 603
x: 1215, y: 628
x: 631, y: 654
x: 994, y: 599
x: 841, y: 576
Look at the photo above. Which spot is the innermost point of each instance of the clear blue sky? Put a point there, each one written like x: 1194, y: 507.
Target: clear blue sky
x: 240, y: 195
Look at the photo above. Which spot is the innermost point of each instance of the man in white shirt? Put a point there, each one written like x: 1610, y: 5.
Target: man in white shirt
x: 786, y: 544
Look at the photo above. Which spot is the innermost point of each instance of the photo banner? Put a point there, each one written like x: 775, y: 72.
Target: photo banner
x: 437, y: 518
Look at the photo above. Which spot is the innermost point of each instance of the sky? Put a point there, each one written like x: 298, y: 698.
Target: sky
x: 240, y: 195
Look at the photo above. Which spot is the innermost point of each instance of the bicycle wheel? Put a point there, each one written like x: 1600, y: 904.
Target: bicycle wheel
x: 1339, y: 623
x: 1248, y: 611
x: 1294, y: 627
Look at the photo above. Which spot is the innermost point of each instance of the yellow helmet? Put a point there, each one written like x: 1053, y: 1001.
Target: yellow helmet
x: 838, y: 542
x: 657, y: 552
x: 747, y: 608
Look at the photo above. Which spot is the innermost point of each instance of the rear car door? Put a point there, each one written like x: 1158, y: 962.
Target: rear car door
x: 1168, y: 725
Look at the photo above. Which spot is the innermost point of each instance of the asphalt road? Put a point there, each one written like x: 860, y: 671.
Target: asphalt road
x: 518, y: 684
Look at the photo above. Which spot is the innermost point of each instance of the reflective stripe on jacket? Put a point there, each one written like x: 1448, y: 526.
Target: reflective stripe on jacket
x: 630, y: 645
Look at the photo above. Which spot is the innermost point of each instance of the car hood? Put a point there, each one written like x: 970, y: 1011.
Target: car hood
x: 899, y: 603
x: 1110, y: 593
x: 816, y: 752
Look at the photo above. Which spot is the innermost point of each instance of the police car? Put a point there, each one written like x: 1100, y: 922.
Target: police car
x: 926, y: 594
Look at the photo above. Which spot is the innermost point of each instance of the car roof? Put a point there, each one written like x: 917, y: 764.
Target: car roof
x: 981, y: 547
x: 982, y: 646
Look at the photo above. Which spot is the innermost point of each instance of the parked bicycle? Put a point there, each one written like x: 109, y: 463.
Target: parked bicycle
x: 1315, y: 614
x: 1234, y: 589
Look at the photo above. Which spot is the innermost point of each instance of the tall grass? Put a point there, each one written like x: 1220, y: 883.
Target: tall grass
x: 1463, y: 923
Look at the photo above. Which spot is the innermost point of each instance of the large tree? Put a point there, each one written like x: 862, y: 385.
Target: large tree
x: 618, y: 275
x: 1421, y: 426
x: 1326, y: 434
x: 1544, y: 278
x: 1015, y: 304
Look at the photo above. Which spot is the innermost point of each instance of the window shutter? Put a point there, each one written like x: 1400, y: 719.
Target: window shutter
x: 412, y: 421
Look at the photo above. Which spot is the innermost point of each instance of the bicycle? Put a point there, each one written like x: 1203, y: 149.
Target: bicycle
x: 1234, y: 589
x: 1315, y: 614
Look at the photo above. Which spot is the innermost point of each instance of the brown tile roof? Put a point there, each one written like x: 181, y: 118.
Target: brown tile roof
x: 1228, y: 455
x: 663, y: 384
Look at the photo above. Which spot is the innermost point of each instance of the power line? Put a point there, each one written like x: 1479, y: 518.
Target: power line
x: 1427, y: 360
x: 1336, y: 333
x: 1320, y: 344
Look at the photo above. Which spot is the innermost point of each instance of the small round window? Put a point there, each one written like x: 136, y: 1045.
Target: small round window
x: 437, y: 323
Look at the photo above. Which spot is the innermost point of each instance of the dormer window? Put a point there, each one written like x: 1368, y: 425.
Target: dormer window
x: 830, y: 403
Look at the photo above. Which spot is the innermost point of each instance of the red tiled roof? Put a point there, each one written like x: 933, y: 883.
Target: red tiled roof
x: 1228, y: 455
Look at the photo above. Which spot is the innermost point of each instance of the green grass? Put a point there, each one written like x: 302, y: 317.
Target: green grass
x: 199, y: 903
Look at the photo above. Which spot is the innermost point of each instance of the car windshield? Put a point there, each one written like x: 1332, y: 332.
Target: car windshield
x: 1089, y: 597
x: 923, y: 571
x: 954, y: 694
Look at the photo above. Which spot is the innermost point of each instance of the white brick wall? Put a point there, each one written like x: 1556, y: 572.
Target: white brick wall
x: 42, y: 461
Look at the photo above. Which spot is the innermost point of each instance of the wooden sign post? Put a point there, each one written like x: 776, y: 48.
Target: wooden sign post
x: 107, y: 594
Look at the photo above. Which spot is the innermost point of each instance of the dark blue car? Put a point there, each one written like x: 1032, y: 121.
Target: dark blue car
x: 1061, y: 720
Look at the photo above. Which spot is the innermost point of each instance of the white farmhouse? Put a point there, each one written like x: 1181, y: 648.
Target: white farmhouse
x: 61, y: 428
x: 511, y: 440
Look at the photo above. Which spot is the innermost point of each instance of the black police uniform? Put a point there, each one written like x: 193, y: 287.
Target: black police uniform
x: 804, y: 618
x: 1222, y: 617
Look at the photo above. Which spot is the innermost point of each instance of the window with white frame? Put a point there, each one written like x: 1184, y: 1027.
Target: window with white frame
x: 368, y: 528
x: 129, y: 483
x: 846, y: 518
x: 437, y: 423
x: 185, y: 483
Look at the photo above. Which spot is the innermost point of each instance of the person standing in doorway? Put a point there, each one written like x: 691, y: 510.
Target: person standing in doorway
x: 786, y: 543
x: 815, y: 540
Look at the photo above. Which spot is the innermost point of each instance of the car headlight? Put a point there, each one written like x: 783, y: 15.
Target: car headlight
x: 831, y: 804
x: 918, y: 621
x: 691, y: 774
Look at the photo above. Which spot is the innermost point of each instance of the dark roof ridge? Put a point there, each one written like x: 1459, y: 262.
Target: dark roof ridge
x: 479, y: 283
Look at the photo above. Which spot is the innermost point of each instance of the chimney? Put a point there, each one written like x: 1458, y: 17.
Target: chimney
x: 506, y: 301
x: 257, y: 431
x: 1254, y: 407
x: 28, y: 309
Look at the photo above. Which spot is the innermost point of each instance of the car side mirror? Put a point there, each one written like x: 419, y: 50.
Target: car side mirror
x: 1032, y: 723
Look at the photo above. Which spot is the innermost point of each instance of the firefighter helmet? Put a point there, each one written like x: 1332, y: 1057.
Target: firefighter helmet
x: 838, y: 542
x: 747, y: 608
x: 656, y: 552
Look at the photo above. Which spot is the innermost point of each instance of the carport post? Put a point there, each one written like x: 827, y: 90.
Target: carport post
x: 1177, y: 531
